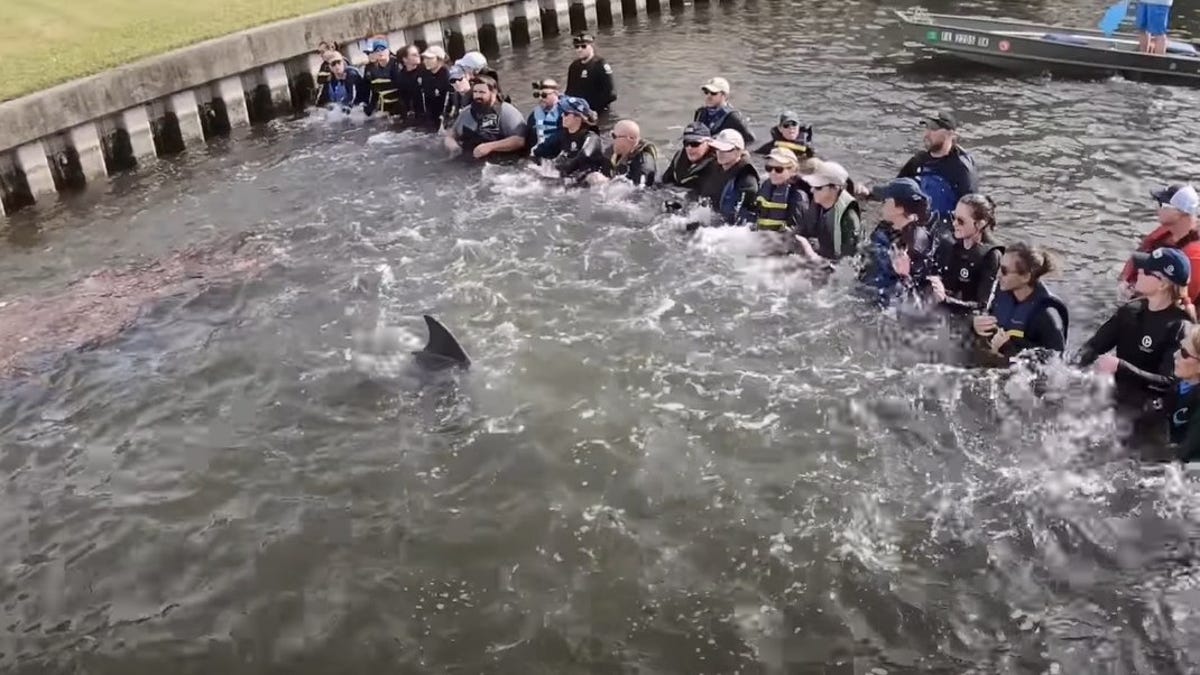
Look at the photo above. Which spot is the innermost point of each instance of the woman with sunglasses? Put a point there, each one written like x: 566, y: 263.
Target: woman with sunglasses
x: 782, y: 203
x: 580, y: 150
x: 789, y: 134
x: 1184, y: 423
x: 1024, y: 314
x: 966, y: 271
x: 1145, y: 333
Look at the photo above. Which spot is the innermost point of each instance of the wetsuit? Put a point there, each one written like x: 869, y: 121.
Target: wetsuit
x: 580, y: 153
x: 411, y: 89
x: 969, y: 275
x: 879, y: 273
x: 1184, y: 422
x: 593, y: 82
x: 639, y: 166
x: 436, y: 89
x: 385, y: 85
x: 946, y: 180
x: 802, y: 146
x: 346, y: 93
x: 722, y: 118
x: 733, y: 191
x: 1145, y: 342
x: 687, y: 175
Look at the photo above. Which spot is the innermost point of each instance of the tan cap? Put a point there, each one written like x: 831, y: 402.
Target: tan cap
x: 717, y: 84
x: 434, y: 52
x: 784, y: 157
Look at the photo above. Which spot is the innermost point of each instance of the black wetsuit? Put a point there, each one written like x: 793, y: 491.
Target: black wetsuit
x: 412, y: 93
x: 1145, y: 342
x: 581, y: 153
x: 593, y: 82
x: 968, y: 275
x: 640, y: 166
x: 436, y: 89
x: 1184, y: 422
x: 385, y: 84
x: 690, y: 176
x: 722, y: 118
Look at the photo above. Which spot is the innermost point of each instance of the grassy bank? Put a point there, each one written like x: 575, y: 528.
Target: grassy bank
x: 47, y: 42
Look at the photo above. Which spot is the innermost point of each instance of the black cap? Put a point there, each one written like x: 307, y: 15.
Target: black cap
x: 697, y: 131
x: 584, y: 39
x: 941, y: 120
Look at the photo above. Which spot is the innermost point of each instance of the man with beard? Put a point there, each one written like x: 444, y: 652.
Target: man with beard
x: 489, y: 127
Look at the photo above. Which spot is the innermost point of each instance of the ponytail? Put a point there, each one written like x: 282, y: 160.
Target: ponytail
x: 1036, y: 262
x: 982, y: 209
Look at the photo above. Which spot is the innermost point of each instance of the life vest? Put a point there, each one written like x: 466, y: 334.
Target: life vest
x: 620, y: 167
x: 942, y: 197
x: 961, y: 276
x: 773, y: 203
x: 691, y: 172
x: 546, y: 123
x: 713, y: 118
x: 1013, y: 317
x: 829, y: 237
x: 384, y: 85
x: 487, y: 128
x: 802, y: 146
x: 730, y: 202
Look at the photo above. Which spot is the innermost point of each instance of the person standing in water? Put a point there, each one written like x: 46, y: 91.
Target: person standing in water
x: 1184, y: 422
x: 436, y: 86
x: 1025, y: 314
x: 717, y: 114
x: 695, y: 164
x: 1144, y: 335
x: 966, y: 272
x: 630, y: 156
x: 790, y: 134
x: 835, y: 225
x: 898, y: 253
x: 1178, y: 206
x: 590, y: 77
x: 732, y: 190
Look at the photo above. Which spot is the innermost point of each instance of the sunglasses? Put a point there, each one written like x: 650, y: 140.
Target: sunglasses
x: 456, y: 80
x: 693, y: 144
x: 581, y: 46
x: 615, y: 136
x: 777, y: 169
x: 709, y: 92
x: 790, y: 125
x: 1005, y: 271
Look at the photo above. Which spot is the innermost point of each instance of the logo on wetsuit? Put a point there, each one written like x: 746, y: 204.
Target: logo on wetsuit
x: 1147, y: 342
x: 964, y: 273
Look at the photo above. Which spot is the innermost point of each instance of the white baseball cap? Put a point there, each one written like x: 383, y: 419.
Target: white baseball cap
x: 729, y: 139
x: 828, y: 173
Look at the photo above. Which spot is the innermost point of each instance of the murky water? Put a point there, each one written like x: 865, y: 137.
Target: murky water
x: 670, y: 457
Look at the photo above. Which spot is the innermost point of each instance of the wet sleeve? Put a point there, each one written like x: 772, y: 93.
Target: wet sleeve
x: 1043, y: 332
x: 645, y: 169
x: 362, y: 93
x: 748, y: 186
x: 550, y: 149
x: 1104, y: 341
x: 608, y: 88
x: 736, y: 122
x: 668, y: 177
x: 987, y: 279
x: 851, y: 223
x: 322, y: 94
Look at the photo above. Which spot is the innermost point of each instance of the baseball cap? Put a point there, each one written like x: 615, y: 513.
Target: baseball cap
x: 548, y: 83
x: 729, y: 139
x: 697, y: 131
x: 577, y: 106
x: 827, y: 173
x: 1180, y: 197
x: 901, y: 191
x: 783, y: 156
x: 788, y: 116
x: 940, y: 120
x: 584, y: 39
x: 473, y: 61
x: 377, y: 46
x: 717, y: 84
x: 1169, y: 262
x: 434, y: 52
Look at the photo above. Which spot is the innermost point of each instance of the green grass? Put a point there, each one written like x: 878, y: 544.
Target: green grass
x: 48, y: 42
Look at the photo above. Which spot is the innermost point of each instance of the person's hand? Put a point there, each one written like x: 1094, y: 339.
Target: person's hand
x: 807, y: 249
x: 999, y: 340
x: 1107, y: 364
x: 862, y: 191
x: 596, y: 178
x: 901, y: 262
x: 985, y: 325
x: 939, y: 289
x: 482, y: 150
x: 451, y: 144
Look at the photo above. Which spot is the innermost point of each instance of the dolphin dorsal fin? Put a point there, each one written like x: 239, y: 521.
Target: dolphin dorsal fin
x: 442, y: 343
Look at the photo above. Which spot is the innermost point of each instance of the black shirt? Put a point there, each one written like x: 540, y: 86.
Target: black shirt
x: 685, y: 174
x: 435, y: 88
x: 968, y: 275
x: 720, y: 119
x: 1145, y: 342
x: 593, y: 82
x: 412, y: 92
x: 582, y: 153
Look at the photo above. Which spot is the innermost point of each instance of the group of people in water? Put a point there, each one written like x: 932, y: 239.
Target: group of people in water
x: 934, y: 246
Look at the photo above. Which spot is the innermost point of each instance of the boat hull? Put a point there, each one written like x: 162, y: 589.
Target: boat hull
x: 1015, y: 45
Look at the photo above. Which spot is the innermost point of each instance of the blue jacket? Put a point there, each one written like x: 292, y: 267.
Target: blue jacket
x: 346, y: 93
x: 880, y: 275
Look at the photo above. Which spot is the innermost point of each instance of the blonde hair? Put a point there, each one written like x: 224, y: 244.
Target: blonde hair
x: 1179, y: 295
x: 1191, y: 340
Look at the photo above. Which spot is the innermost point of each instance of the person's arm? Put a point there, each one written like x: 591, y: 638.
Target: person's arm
x: 851, y: 224
x: 573, y: 79
x: 512, y: 124
x: 910, y: 168
x: 669, y: 177
x: 1042, y: 332
x: 644, y: 168
x: 969, y: 182
x: 1104, y: 341
x: 607, y: 87
x: 735, y: 121
x: 747, y: 184
x: 797, y: 211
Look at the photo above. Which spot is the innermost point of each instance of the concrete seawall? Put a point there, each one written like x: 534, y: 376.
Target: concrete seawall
x: 81, y: 132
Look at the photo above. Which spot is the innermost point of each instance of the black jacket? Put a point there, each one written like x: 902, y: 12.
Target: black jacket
x: 690, y: 176
x: 639, y: 166
x: 593, y: 82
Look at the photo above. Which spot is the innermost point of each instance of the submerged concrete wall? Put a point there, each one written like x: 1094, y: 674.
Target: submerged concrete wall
x: 83, y: 131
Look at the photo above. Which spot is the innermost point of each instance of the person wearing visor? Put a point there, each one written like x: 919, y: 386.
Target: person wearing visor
x: 1178, y: 206
x: 835, y: 226
x: 436, y: 86
x: 589, y: 77
x: 733, y: 190
x: 943, y: 169
x: 545, y: 122
x: 580, y: 151
x: 1144, y: 334
x: 345, y: 87
x: 789, y: 134
x: 1024, y: 314
x: 489, y: 128
x: 966, y: 272
x: 630, y: 156
x: 383, y: 74
x: 459, y: 77
x: 898, y: 254
x: 717, y: 114
x: 695, y: 164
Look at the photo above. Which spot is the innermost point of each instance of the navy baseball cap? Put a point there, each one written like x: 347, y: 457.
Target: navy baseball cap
x: 1171, y: 263
x: 940, y: 120
x: 901, y: 191
x: 697, y: 131
x: 377, y: 46
x: 577, y: 106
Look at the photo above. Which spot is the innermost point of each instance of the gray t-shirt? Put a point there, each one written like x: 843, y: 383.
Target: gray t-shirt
x: 509, y: 121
